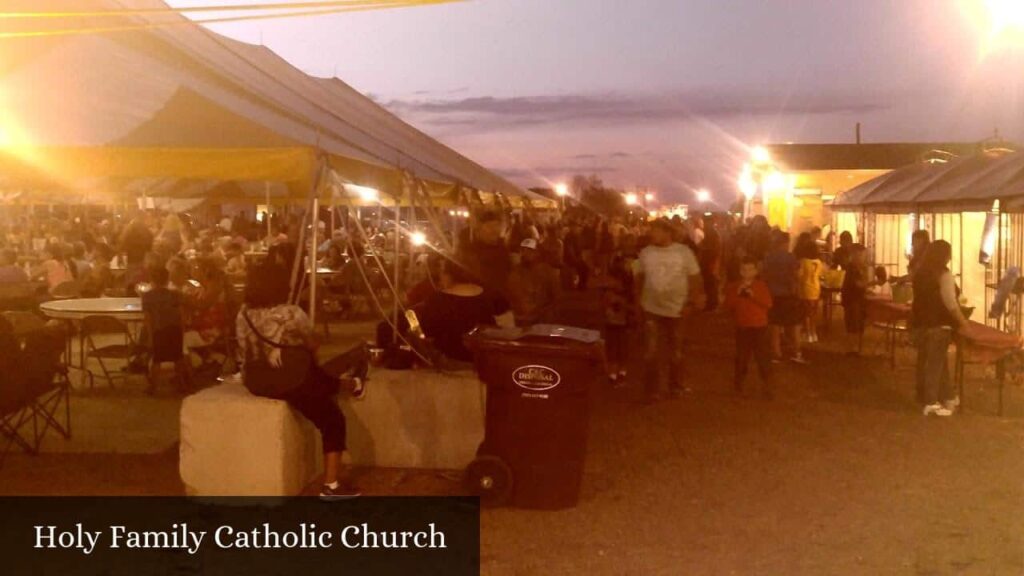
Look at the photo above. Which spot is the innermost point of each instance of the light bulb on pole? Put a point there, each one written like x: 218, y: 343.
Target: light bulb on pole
x: 760, y: 155
x: 562, y: 190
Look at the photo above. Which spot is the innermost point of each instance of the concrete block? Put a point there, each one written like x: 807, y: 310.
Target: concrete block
x: 237, y: 444
x: 416, y: 419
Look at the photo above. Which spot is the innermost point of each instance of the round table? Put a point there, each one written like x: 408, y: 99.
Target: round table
x: 125, y: 309
x: 75, y: 310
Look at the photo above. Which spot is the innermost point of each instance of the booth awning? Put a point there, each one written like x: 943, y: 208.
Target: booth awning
x: 971, y: 183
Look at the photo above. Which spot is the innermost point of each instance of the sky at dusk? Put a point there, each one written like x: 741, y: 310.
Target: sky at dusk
x: 667, y: 94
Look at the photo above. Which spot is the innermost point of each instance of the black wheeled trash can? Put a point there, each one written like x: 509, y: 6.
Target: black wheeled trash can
x: 539, y: 382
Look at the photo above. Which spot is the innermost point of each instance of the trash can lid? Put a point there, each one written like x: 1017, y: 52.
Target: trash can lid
x: 539, y: 331
x: 541, y: 336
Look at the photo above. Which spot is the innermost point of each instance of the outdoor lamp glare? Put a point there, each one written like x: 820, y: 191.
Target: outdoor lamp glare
x: 760, y: 155
x: 418, y: 239
x: 562, y: 189
x: 365, y: 193
x: 774, y: 182
x: 703, y: 195
x: 649, y: 197
x: 1005, y: 15
x: 747, y: 185
x: 631, y: 199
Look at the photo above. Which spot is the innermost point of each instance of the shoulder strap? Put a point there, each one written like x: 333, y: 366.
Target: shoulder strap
x: 264, y: 339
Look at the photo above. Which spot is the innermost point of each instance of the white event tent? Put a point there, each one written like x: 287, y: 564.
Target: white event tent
x: 169, y: 104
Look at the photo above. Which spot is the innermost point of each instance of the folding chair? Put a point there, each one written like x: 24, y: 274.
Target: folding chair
x: 47, y: 381
x: 19, y: 296
x: 66, y: 290
x: 16, y: 412
x: 93, y: 326
x: 332, y: 304
x: 23, y: 323
x: 227, y: 343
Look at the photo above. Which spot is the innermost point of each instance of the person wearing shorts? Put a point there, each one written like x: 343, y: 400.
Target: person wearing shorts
x: 809, y: 285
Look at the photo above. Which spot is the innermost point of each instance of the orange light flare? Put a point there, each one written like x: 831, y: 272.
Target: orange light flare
x: 16, y: 144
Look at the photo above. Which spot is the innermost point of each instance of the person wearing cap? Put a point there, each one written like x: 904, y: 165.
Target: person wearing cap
x: 534, y: 286
x: 668, y: 280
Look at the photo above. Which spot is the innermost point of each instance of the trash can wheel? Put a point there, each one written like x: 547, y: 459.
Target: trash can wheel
x: 490, y: 478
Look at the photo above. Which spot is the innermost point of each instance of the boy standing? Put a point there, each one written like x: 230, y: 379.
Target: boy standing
x: 164, y: 312
x: 749, y: 299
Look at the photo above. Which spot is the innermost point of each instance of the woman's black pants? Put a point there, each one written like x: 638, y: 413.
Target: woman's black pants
x: 315, y: 399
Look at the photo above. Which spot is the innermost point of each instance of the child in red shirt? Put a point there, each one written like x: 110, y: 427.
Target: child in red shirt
x: 749, y: 300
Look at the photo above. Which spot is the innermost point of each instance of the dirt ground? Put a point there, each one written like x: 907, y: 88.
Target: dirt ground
x: 839, y: 475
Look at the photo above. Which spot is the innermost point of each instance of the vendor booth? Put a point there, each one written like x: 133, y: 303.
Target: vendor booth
x: 974, y: 203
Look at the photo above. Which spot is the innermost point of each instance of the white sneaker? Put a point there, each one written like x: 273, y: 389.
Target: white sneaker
x: 953, y: 402
x: 937, y: 410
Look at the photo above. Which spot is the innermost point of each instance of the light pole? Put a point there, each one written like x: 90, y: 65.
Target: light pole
x: 748, y: 187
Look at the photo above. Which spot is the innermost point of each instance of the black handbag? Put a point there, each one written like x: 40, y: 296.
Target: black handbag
x: 264, y: 379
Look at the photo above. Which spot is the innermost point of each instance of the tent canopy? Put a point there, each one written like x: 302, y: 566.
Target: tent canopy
x: 180, y: 103
x: 972, y: 183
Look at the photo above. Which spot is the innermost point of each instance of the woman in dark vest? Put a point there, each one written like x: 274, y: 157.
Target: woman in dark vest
x: 936, y: 314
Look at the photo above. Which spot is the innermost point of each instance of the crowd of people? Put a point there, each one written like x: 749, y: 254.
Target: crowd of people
x: 651, y: 274
x: 206, y: 300
x: 513, y: 270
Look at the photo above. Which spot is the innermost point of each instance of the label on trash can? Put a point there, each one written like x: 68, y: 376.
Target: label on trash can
x: 536, y: 378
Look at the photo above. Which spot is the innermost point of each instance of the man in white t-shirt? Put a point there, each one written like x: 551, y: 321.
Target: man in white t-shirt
x: 668, y: 280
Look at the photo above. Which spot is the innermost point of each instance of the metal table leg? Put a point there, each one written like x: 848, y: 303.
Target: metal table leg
x: 958, y: 373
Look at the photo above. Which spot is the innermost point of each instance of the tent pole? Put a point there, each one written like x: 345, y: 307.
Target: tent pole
x: 267, y: 213
x: 398, y: 257
x: 315, y: 221
x: 331, y: 232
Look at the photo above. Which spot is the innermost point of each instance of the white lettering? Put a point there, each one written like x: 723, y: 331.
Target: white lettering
x: 344, y: 537
x: 227, y: 532
x: 306, y: 536
x: 178, y: 538
x: 47, y: 537
x: 116, y: 535
x: 361, y: 536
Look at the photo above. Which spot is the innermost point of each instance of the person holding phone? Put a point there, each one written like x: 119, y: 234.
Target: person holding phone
x: 748, y: 300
